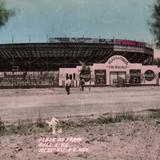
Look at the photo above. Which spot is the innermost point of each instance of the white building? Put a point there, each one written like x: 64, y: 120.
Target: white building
x: 117, y: 71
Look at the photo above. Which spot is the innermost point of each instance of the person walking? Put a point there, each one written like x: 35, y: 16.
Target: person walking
x: 68, y: 85
x: 81, y: 84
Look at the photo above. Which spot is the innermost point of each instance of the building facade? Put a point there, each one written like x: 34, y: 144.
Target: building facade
x: 117, y: 71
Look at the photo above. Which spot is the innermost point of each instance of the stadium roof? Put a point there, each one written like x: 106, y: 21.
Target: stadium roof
x: 67, y: 53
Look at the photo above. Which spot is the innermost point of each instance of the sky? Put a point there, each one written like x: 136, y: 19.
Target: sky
x: 35, y: 20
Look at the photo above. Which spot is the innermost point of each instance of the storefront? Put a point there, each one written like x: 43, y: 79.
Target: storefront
x: 117, y: 71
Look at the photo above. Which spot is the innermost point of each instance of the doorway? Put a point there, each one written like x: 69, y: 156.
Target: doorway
x: 118, y: 79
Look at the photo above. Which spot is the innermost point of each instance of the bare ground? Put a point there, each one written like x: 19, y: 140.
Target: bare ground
x: 18, y: 104
x: 119, y: 141
x: 136, y: 140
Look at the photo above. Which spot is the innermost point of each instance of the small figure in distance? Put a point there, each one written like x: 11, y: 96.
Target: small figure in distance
x: 81, y: 84
x: 68, y: 85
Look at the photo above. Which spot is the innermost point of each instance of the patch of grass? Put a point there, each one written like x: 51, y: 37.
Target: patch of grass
x: 129, y: 116
x: 68, y: 124
x: 27, y: 127
x: 126, y: 116
x: 40, y: 123
x: 154, y: 113
x: 2, y: 127
x: 23, y: 127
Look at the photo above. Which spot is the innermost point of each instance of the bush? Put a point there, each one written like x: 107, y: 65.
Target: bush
x: 2, y: 127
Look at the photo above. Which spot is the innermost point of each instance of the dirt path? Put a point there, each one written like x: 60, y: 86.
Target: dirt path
x: 30, y: 103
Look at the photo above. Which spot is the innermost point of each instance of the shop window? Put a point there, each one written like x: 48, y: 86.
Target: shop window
x: 135, y: 77
x: 100, y: 77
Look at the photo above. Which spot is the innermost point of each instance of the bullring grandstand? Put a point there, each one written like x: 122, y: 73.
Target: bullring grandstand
x: 38, y: 64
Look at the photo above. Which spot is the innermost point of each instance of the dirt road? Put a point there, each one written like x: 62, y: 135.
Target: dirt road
x: 30, y: 103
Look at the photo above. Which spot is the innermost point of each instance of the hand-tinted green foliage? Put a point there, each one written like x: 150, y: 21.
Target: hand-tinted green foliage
x: 5, y: 14
x: 155, y: 22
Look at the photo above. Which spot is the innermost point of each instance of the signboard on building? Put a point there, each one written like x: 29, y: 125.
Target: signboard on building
x: 117, y: 62
x: 129, y: 43
x: 128, y: 49
x: 128, y: 46
x: 149, y: 75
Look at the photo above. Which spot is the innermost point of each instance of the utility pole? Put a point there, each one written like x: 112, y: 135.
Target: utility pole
x: 12, y: 38
x: 29, y: 38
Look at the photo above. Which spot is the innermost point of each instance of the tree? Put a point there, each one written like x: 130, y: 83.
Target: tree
x: 156, y: 61
x: 154, y: 22
x: 5, y: 14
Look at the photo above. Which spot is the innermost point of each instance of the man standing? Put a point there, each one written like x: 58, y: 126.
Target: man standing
x: 81, y: 84
x: 68, y: 85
